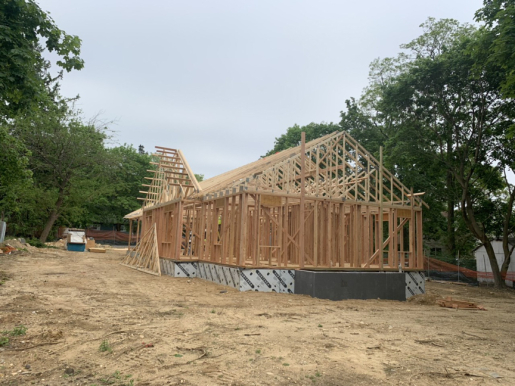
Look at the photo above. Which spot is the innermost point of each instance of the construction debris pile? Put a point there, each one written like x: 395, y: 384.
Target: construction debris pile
x: 13, y: 245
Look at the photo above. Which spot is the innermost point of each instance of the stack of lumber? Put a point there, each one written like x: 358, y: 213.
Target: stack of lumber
x: 459, y: 304
x: 97, y: 250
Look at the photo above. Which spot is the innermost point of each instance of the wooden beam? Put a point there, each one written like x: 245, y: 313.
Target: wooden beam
x: 302, y: 197
x: 380, y: 219
x: 243, y: 229
x: 192, y: 175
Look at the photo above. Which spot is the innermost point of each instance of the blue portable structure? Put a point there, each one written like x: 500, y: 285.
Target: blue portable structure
x: 76, y: 240
x: 76, y: 247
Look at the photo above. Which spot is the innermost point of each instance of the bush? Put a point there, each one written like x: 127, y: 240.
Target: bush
x: 36, y: 243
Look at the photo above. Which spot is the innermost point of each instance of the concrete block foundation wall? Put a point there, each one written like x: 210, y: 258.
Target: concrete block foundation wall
x: 263, y: 280
x: 334, y: 285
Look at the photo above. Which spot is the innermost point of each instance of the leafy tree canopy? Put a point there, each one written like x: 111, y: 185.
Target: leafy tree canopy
x: 441, y: 110
x: 499, y: 18
x: 67, y: 156
x: 14, y: 174
x: 25, y: 31
x: 122, y: 176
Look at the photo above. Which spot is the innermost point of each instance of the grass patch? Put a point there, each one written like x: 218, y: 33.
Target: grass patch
x: 3, y: 277
x: 4, y: 341
x: 314, y: 377
x: 19, y: 330
x: 105, y: 346
x: 117, y: 378
x: 16, y: 331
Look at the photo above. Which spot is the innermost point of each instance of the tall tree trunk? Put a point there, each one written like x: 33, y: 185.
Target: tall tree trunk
x: 479, y: 232
x: 507, y: 257
x: 506, y: 232
x: 451, y: 202
x: 54, y: 215
x: 498, y: 280
x: 451, y: 232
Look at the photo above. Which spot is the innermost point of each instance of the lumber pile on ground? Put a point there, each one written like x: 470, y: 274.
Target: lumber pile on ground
x: 97, y: 250
x: 459, y: 304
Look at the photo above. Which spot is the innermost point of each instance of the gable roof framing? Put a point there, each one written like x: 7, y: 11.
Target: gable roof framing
x: 172, y: 179
x: 337, y: 167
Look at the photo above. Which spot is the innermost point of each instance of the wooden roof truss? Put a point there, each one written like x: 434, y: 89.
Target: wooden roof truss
x: 337, y: 167
x: 172, y: 179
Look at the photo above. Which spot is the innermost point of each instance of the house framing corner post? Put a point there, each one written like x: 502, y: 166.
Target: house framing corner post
x: 178, y: 230
x: 420, y: 241
x: 380, y: 227
x: 315, y: 212
x: 412, y: 247
x: 130, y: 235
x: 302, y: 197
x: 243, y: 229
x: 138, y: 229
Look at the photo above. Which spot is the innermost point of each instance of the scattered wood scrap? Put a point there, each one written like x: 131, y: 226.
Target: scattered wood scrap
x: 459, y: 304
x: 7, y: 249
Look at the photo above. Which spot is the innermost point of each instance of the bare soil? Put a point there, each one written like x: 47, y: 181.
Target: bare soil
x: 169, y: 331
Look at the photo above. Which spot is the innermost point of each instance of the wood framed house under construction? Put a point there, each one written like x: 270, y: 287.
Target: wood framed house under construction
x: 325, y: 205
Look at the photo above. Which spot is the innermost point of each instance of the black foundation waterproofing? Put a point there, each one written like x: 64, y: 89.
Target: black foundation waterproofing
x: 351, y: 285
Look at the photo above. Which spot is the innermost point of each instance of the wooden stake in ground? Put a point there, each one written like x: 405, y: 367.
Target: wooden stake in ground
x: 145, y: 256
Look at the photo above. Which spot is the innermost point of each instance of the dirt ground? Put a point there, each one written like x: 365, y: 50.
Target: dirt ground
x: 91, y: 321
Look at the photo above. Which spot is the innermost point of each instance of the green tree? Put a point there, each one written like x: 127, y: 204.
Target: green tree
x: 25, y: 32
x: 417, y: 169
x: 67, y: 158
x: 499, y: 18
x: 122, y: 177
x: 450, y: 104
x: 14, y: 172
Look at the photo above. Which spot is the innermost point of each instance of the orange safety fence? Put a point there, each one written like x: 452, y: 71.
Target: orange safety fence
x: 489, y: 275
x: 442, y: 266
x: 113, y: 235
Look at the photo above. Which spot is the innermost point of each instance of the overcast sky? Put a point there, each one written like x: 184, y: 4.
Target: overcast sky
x: 221, y: 79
